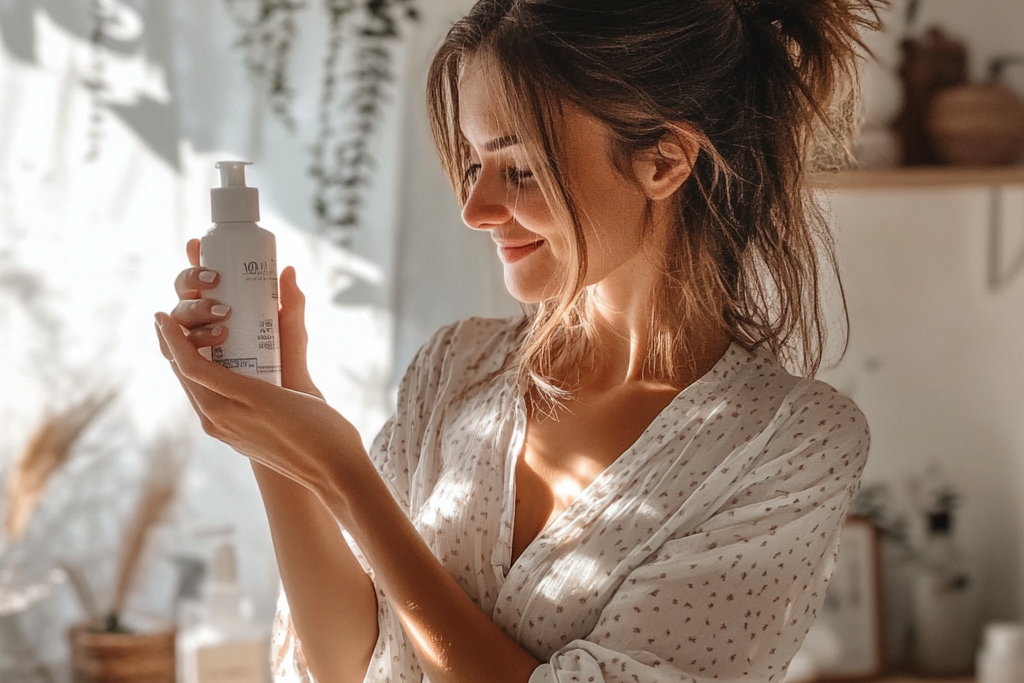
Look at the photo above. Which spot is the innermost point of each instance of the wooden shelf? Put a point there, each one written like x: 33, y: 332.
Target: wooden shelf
x: 920, y: 177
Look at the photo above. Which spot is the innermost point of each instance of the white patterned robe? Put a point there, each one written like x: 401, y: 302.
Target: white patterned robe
x: 701, y: 554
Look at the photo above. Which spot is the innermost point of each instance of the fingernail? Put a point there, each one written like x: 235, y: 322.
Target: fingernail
x: 208, y: 275
x: 220, y: 310
x: 216, y: 332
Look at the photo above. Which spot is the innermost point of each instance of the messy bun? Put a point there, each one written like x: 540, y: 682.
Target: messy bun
x: 755, y: 82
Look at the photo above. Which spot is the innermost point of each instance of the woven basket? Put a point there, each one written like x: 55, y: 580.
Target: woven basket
x: 977, y: 125
x: 119, y: 658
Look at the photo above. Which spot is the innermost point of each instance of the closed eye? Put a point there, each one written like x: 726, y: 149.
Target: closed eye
x: 517, y: 176
x: 514, y: 175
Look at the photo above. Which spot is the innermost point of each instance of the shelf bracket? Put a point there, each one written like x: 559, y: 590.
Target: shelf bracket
x: 999, y: 274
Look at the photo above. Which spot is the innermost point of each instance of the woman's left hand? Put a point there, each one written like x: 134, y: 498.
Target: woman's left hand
x: 295, y: 434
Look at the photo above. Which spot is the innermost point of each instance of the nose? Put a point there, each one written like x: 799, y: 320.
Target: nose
x: 488, y: 203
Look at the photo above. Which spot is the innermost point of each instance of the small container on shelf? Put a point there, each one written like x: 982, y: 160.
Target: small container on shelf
x: 978, y: 124
x: 1001, y: 657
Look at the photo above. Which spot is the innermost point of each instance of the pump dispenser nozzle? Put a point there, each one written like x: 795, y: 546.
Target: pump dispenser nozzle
x: 233, y: 201
x: 232, y: 173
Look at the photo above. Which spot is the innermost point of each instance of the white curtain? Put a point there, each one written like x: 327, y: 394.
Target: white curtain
x: 92, y: 233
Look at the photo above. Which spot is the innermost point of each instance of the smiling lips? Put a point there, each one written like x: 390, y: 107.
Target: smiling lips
x: 512, y: 253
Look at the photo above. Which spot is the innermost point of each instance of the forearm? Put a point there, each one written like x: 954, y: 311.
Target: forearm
x: 455, y: 641
x: 333, y: 602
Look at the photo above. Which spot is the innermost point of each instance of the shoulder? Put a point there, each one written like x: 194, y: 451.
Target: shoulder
x: 472, y: 339
x: 818, y: 405
x: 807, y: 407
x: 818, y: 413
x: 811, y: 419
x: 462, y: 353
x: 826, y: 431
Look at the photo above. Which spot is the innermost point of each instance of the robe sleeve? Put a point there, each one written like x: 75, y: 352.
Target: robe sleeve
x: 733, y: 599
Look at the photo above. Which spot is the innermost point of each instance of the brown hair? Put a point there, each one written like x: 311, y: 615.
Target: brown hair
x: 754, y: 82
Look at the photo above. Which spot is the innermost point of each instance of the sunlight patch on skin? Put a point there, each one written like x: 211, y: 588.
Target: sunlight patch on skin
x: 567, y: 489
x: 428, y: 646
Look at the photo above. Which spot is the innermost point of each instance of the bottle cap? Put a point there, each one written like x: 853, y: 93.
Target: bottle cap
x: 233, y: 201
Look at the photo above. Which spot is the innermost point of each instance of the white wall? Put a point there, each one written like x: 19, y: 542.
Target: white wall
x: 89, y: 250
x: 934, y: 357
x: 989, y: 28
x: 934, y: 360
x: 445, y: 271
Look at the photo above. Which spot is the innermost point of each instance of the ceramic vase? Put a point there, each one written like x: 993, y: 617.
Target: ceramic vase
x: 877, y: 144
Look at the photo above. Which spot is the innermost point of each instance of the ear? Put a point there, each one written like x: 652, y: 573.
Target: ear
x: 663, y: 169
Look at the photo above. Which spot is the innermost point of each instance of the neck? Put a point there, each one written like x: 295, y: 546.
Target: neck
x: 621, y: 308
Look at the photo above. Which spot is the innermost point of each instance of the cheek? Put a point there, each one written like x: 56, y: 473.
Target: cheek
x: 533, y: 214
x: 613, y: 235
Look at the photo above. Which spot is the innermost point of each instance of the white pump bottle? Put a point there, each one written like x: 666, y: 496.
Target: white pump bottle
x: 223, y: 644
x: 245, y: 256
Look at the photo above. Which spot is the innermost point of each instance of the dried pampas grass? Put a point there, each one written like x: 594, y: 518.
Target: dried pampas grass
x: 48, y: 449
x: 159, y: 493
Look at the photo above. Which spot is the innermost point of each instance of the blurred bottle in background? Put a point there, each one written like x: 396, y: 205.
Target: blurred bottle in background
x: 944, y: 602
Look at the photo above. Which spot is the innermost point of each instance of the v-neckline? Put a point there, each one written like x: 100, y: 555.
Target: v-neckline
x: 518, y: 444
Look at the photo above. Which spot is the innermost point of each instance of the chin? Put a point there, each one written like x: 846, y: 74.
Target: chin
x: 530, y: 290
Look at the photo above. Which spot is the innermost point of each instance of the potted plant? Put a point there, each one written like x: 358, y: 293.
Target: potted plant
x: 107, y: 646
x: 353, y: 94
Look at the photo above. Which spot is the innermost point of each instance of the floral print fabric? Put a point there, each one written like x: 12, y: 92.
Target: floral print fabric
x: 701, y: 554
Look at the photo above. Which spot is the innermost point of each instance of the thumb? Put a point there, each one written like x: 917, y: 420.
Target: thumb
x: 294, y: 338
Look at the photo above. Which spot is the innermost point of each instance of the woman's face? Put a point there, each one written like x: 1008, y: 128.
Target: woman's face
x: 505, y: 198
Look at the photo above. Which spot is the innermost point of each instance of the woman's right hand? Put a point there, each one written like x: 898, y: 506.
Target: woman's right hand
x: 208, y: 320
x: 203, y: 318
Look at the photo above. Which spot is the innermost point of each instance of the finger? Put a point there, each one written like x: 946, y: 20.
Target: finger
x: 204, y: 401
x: 203, y: 419
x: 212, y: 335
x: 190, y: 313
x: 191, y: 282
x: 190, y: 388
x: 195, y: 368
x: 192, y: 250
x: 294, y: 338
x: 165, y: 351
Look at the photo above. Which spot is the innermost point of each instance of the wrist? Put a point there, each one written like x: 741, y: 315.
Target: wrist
x: 348, y: 476
x: 301, y: 382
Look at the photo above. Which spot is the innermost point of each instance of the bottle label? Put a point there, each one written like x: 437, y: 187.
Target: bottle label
x: 248, y: 284
x: 233, y: 663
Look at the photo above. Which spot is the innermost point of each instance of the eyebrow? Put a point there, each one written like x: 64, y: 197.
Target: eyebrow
x: 501, y: 143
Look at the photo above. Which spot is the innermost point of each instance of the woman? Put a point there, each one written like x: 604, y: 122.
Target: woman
x: 626, y: 484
